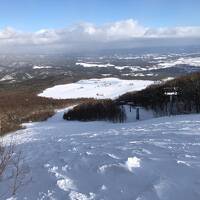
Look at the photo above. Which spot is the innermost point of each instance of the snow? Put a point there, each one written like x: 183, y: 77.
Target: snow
x: 168, y: 79
x: 95, y: 88
x: 106, y: 75
x: 132, y: 163
x: 157, y: 62
x: 103, y: 187
x: 84, y: 64
x: 7, y: 78
x: 42, y: 67
x: 154, y: 159
x: 113, y: 156
x: 65, y: 184
x: 28, y: 75
x: 181, y: 61
x: 132, y: 68
x: 183, y: 162
x: 164, y: 62
x: 79, y: 196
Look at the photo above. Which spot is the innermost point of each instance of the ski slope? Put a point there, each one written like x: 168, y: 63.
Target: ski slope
x: 95, y: 88
x: 155, y: 159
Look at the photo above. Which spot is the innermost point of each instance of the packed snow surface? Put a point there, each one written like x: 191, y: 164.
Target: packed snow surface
x: 95, y: 88
x: 156, y: 159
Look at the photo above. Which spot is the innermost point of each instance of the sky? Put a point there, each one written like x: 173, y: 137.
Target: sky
x: 57, y: 23
x: 32, y: 15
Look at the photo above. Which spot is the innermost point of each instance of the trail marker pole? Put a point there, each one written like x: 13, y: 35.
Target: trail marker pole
x: 137, y: 113
x: 171, y: 91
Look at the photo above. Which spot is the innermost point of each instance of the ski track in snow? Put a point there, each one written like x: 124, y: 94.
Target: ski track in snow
x: 153, y: 159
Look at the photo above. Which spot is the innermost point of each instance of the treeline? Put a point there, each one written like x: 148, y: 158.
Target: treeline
x: 20, y: 107
x: 94, y: 110
x: 153, y: 97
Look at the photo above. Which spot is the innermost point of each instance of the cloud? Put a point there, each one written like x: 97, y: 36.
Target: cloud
x: 177, y: 32
x: 82, y: 36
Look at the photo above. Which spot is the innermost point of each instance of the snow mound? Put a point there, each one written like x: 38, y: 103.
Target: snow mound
x: 79, y: 196
x: 63, y: 182
x: 113, y: 156
x: 66, y: 184
x: 103, y: 187
x: 183, y: 162
x: 95, y: 88
x: 132, y: 162
x: 103, y: 168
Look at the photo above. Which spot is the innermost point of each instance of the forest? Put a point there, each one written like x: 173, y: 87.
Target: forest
x: 154, y: 97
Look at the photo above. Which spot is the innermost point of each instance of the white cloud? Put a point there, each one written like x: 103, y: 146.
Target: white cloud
x: 125, y: 30
x: 7, y: 33
x: 87, y: 35
x: 177, y: 32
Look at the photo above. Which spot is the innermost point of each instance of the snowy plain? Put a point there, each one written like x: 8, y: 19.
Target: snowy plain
x: 160, y: 62
x: 95, y: 88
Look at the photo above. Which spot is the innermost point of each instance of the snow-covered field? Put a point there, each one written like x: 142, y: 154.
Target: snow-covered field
x: 160, y: 62
x: 42, y: 67
x: 181, y: 61
x: 95, y: 88
x: 156, y: 159
x: 96, y: 64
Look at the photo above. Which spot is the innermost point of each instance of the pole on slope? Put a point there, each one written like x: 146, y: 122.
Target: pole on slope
x: 137, y: 113
x: 171, y: 105
x: 171, y: 91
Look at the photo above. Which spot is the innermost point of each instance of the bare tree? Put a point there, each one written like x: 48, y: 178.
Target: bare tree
x: 11, y: 159
x: 6, y: 156
x: 18, y: 173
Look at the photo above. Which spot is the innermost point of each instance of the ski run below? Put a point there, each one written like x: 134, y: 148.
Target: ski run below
x: 95, y: 88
